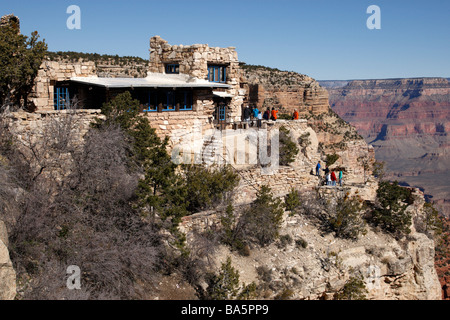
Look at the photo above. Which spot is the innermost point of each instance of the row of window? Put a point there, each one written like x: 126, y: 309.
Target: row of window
x: 162, y: 100
x: 216, y: 73
x: 169, y: 101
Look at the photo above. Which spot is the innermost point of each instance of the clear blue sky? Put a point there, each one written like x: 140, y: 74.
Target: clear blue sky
x: 325, y: 39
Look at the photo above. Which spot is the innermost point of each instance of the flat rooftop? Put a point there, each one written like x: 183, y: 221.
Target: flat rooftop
x: 153, y: 80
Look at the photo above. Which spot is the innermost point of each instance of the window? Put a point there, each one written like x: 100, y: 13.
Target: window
x: 169, y: 101
x: 152, y: 104
x: 184, y: 100
x: 217, y: 73
x: 172, y: 68
x: 168, y: 104
x: 222, y: 112
x: 61, y: 98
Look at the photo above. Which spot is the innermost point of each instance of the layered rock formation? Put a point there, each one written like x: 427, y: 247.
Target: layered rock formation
x: 284, y: 90
x: 407, y: 121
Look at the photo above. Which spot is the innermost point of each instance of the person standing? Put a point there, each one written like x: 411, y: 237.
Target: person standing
x: 333, y: 179
x: 326, y: 170
x: 255, y: 112
x: 267, y: 114
x: 318, y: 169
x: 340, y: 177
x: 259, y: 120
x: 295, y: 115
x: 247, y: 113
x: 274, y: 114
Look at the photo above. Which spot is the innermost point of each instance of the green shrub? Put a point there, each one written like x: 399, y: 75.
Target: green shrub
x: 207, y: 187
x: 390, y: 211
x: 301, y: 243
x: 354, y: 289
x: 230, y: 234
x: 288, y: 148
x: 226, y: 285
x: 285, y: 116
x: 285, y: 240
x: 20, y: 58
x: 331, y: 158
x: 262, y: 221
x: 378, y: 169
x: 430, y: 222
x: 292, y: 200
x: 346, y: 220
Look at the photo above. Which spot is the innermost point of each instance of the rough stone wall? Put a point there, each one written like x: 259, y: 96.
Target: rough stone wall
x: 52, y: 71
x: 194, y: 59
x: 10, y: 20
x: 30, y: 127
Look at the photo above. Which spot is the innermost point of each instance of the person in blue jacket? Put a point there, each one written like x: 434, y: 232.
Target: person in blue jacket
x: 255, y: 112
x: 318, y: 169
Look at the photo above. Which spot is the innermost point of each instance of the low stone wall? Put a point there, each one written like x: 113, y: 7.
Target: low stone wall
x: 26, y: 124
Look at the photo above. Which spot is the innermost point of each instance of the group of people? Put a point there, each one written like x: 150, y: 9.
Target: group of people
x: 330, y: 175
x: 252, y: 113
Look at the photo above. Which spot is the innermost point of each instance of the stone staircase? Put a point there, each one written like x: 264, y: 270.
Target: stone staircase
x: 212, y: 152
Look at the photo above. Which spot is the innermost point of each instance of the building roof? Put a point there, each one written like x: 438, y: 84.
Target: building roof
x: 153, y: 80
x: 222, y: 94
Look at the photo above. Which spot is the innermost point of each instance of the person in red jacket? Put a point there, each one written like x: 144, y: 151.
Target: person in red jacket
x: 333, y: 178
x: 295, y: 116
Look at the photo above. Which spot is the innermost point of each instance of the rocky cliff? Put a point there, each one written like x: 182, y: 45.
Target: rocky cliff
x: 284, y: 90
x: 407, y: 121
x: 310, y: 263
x: 322, y: 264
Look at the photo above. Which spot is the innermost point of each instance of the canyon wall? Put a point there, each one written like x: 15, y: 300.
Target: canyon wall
x: 407, y: 121
x: 285, y: 91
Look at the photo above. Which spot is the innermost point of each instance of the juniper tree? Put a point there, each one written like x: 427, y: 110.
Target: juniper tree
x: 20, y: 59
x: 390, y: 212
x: 262, y: 221
x: 226, y: 285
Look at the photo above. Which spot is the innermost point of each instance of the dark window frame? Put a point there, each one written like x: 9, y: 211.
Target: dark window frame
x: 172, y: 68
x: 217, y: 73
x: 169, y: 101
x: 61, y: 97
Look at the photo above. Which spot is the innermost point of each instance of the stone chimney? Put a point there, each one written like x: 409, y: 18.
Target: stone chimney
x: 10, y: 20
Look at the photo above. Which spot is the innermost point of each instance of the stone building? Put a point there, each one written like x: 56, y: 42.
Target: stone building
x: 183, y: 84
